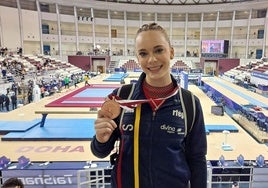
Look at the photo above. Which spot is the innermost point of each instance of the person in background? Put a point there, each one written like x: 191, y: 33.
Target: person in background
x: 153, y: 144
x: 14, y: 101
x: 2, y: 100
x: 86, y: 79
x: 66, y: 82
x: 13, y: 183
x: 7, y: 102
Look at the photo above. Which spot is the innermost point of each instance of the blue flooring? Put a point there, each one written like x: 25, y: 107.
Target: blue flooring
x: 69, y: 129
x: 94, y: 92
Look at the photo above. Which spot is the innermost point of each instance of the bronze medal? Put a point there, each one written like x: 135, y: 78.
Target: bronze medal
x: 112, y: 107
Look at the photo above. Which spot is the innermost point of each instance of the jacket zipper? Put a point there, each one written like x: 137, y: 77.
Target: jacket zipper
x: 154, y: 112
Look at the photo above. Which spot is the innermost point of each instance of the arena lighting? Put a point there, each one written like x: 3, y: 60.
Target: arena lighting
x: 4, y: 162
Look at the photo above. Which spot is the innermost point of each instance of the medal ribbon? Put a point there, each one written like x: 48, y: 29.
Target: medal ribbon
x: 136, y: 147
x: 134, y: 103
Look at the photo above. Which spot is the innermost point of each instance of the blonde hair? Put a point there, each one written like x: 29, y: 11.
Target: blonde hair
x: 153, y: 27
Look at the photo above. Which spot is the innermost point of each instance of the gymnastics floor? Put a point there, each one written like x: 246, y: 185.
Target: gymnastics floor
x: 66, y: 137
x: 87, y: 96
x: 72, y: 128
x: 66, y: 129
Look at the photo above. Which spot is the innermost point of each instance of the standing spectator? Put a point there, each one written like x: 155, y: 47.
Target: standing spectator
x: 30, y: 96
x: 14, y: 101
x: 2, y: 100
x: 4, y: 71
x: 43, y: 90
x: 66, y: 82
x: 86, y: 78
x: 75, y: 81
x: 7, y: 102
x: 14, y: 87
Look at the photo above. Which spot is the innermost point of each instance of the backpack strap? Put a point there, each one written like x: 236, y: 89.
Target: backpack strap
x: 125, y: 92
x: 188, y: 106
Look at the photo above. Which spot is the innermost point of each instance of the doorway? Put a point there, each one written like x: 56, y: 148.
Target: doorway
x: 100, y: 69
x: 210, y: 68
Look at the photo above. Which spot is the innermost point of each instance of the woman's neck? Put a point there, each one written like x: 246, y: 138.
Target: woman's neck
x: 157, y: 92
x: 159, y: 83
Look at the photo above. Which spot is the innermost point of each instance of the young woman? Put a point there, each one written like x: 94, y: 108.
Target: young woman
x: 157, y: 150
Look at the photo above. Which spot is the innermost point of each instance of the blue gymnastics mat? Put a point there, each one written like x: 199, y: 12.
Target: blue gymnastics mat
x: 56, y: 129
x: 17, y: 126
x: 116, y: 77
x: 220, y: 128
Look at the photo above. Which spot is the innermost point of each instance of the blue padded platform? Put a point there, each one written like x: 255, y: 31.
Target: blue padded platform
x: 57, y: 129
x: 220, y: 128
x: 17, y: 126
x: 116, y: 77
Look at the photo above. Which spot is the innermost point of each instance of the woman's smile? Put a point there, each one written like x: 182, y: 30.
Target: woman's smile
x: 155, y: 68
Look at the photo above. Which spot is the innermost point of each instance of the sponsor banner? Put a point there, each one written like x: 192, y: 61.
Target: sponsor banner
x: 196, y: 71
x: 59, y: 174
x: 44, y: 178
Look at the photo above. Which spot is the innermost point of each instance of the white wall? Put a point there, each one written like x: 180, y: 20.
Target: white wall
x: 10, y: 27
x: 30, y: 24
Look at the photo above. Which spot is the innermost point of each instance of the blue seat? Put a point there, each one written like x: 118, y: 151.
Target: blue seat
x: 260, y: 120
x: 266, y: 124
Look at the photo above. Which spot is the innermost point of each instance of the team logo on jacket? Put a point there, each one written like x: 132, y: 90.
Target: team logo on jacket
x: 171, y: 130
x: 127, y: 127
x: 178, y: 113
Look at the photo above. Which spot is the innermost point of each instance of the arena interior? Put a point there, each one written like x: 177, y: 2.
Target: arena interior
x: 59, y: 59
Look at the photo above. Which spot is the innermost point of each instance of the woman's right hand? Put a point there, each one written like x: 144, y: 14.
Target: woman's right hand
x: 104, y: 126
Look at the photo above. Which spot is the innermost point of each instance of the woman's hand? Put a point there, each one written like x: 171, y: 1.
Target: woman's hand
x: 104, y: 126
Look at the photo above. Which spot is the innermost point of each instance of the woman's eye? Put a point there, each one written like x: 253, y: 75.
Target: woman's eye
x: 142, y: 54
x: 159, y: 50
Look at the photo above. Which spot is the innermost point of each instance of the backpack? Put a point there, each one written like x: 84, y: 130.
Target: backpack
x: 186, y: 97
x: 188, y: 106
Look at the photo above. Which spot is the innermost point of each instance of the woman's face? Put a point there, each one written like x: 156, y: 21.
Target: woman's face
x: 154, y: 53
